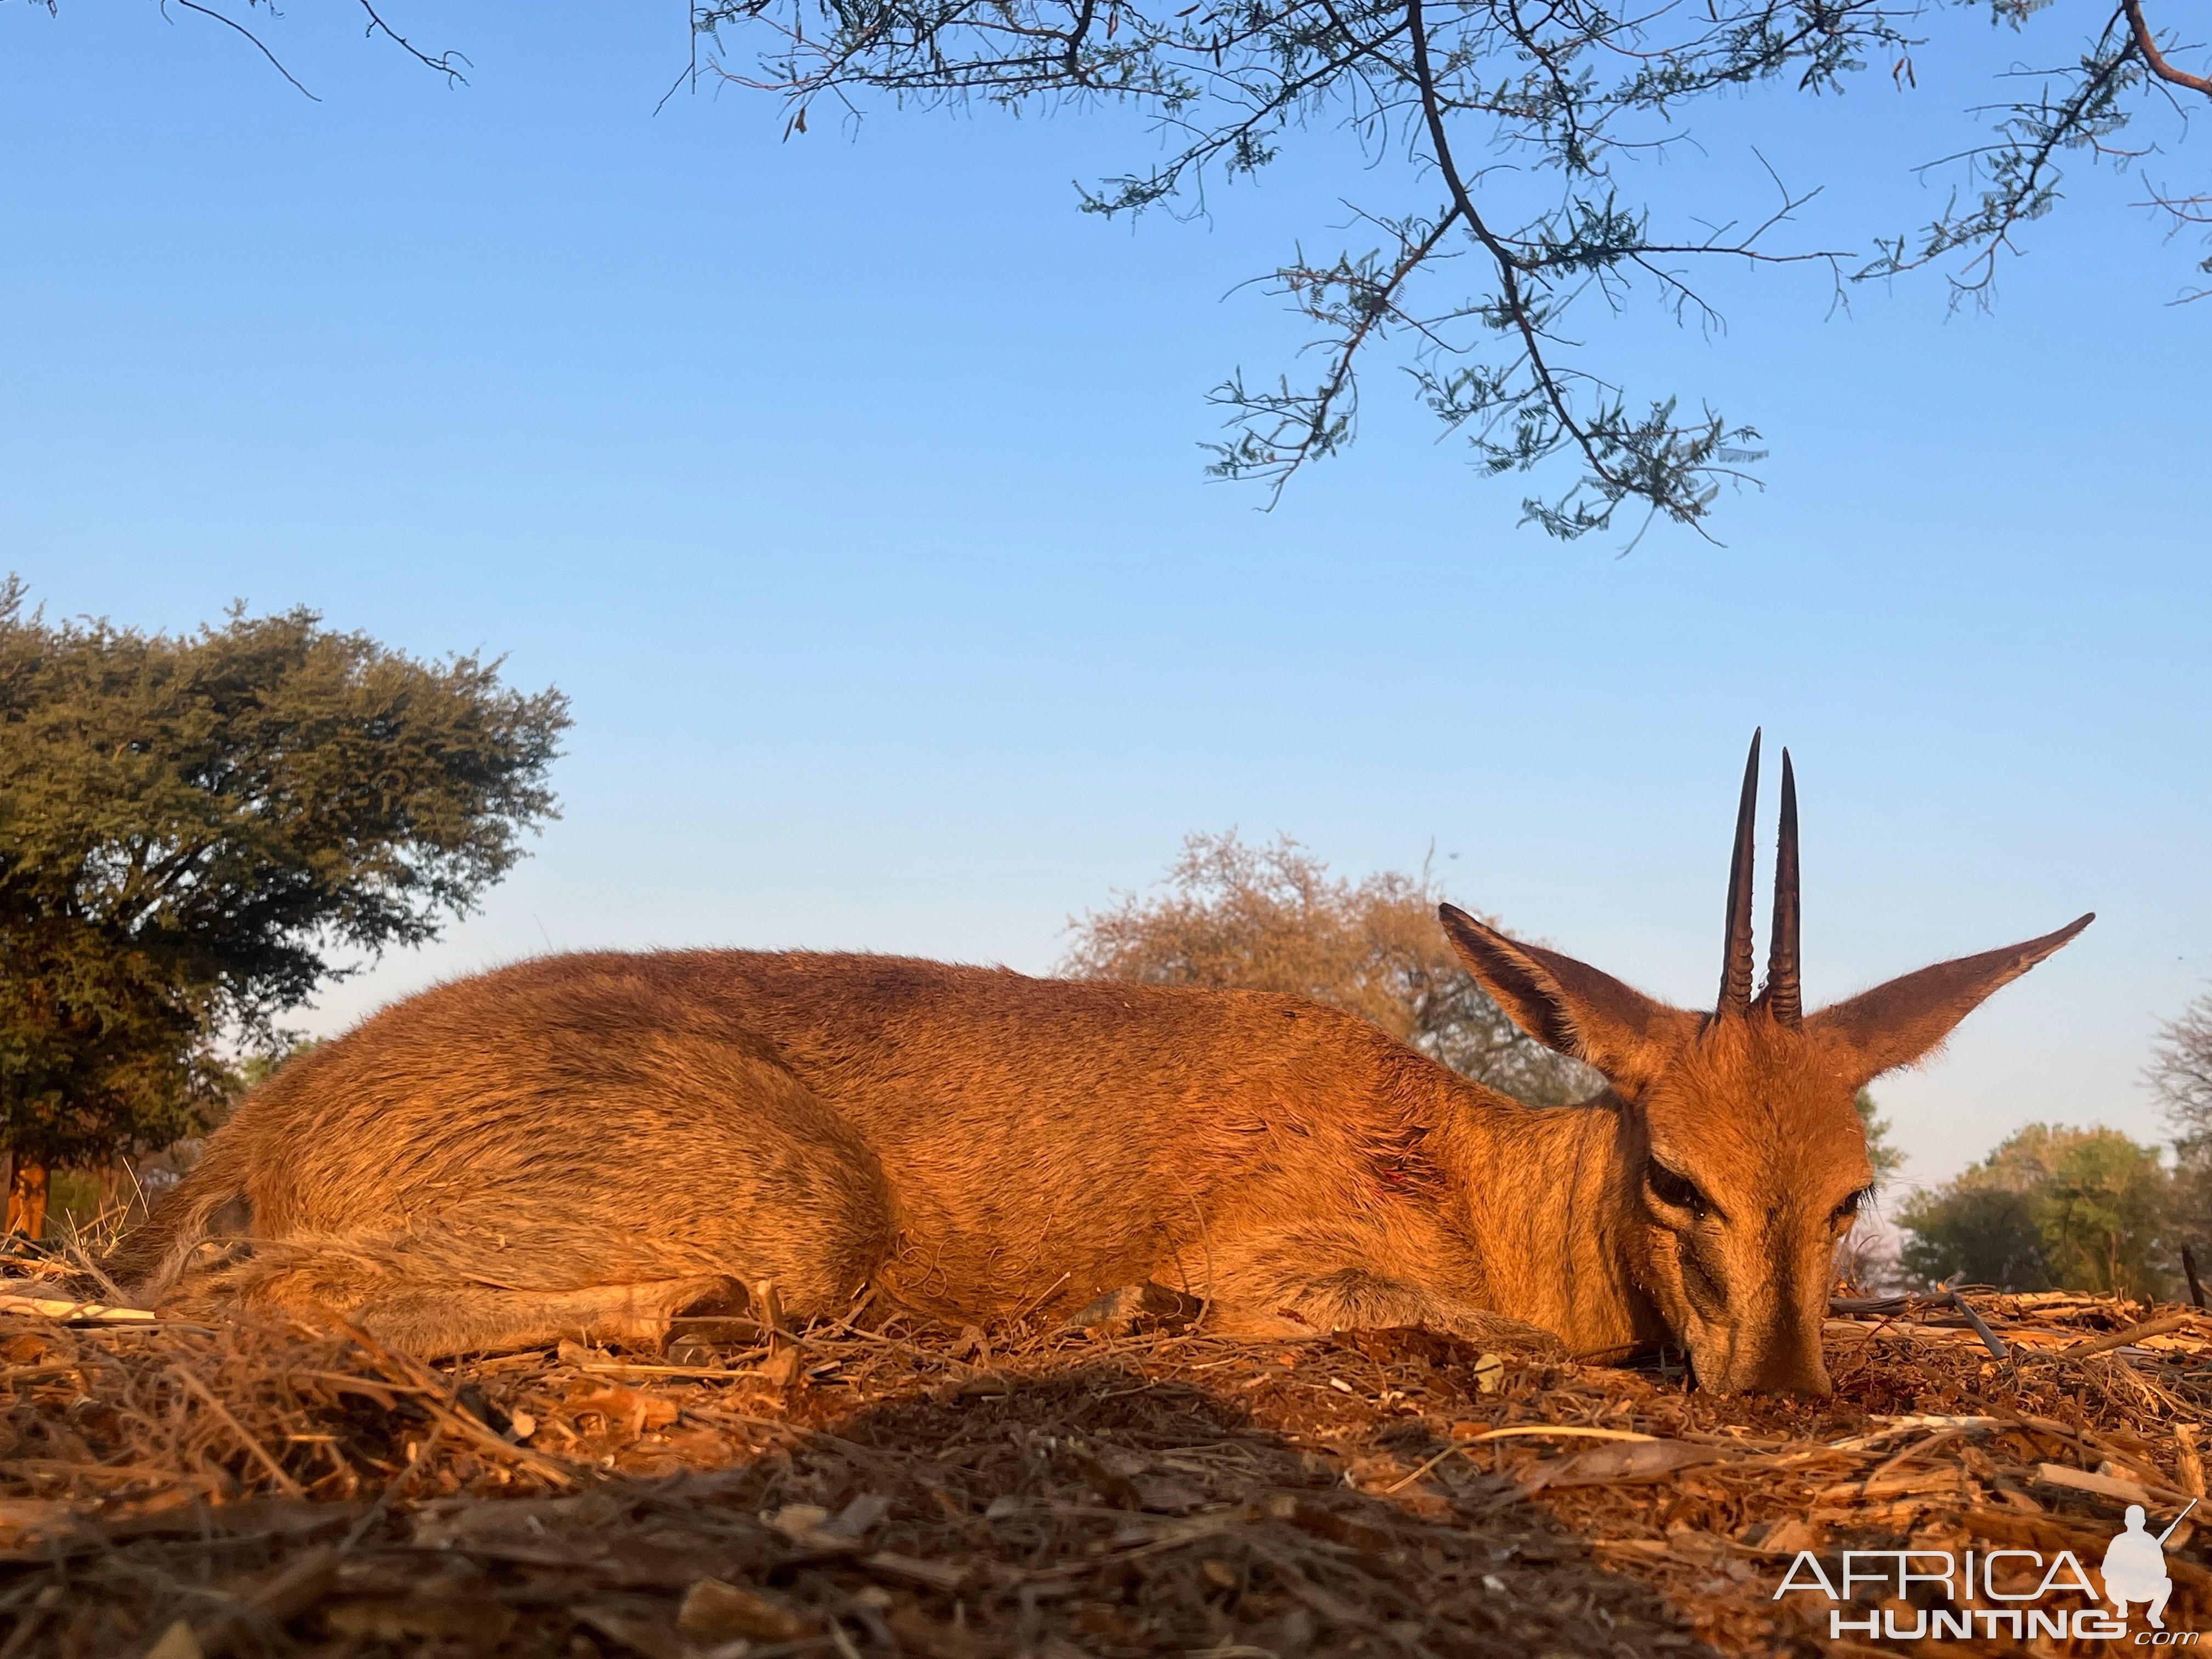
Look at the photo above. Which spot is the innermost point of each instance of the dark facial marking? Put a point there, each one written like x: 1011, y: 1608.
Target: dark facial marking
x: 1676, y: 1191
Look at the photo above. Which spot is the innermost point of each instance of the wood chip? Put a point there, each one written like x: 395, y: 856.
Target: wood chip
x: 934, y: 1574
x: 647, y: 1636
x: 1624, y: 1461
x: 2105, y: 1485
x: 2133, y: 1334
x: 634, y: 1407
x: 478, y: 1623
x: 93, y: 1313
x: 717, y: 1611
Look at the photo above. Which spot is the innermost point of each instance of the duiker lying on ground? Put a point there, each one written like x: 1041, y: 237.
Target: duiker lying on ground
x: 588, y: 1145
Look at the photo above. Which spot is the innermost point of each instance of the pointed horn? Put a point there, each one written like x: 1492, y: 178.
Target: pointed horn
x: 1785, y: 998
x: 1735, y: 968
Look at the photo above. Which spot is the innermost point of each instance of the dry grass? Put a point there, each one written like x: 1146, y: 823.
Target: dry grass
x: 172, y: 1489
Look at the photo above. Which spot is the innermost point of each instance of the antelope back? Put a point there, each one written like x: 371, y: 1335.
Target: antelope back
x: 977, y: 1140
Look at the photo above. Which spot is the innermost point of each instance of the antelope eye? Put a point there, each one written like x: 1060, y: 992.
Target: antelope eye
x: 1674, y: 1190
x: 1848, y: 1209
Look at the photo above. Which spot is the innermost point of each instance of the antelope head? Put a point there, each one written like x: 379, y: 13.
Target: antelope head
x: 1747, y: 1159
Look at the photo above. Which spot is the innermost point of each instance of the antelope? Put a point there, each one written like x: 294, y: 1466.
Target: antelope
x: 593, y: 1145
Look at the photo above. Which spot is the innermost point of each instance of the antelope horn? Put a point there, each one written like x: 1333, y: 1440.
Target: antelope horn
x: 1785, y: 998
x: 1735, y: 967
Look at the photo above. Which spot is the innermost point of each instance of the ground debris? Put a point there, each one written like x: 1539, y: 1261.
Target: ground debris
x: 985, y: 1494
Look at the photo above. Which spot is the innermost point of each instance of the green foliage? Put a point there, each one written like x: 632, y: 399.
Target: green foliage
x: 2053, y: 1205
x: 1274, y: 919
x: 74, y: 1201
x: 1523, y: 204
x: 2079, y: 108
x: 1512, y: 134
x: 1986, y: 1234
x: 1885, y: 1155
x: 190, y: 825
x: 257, y: 1068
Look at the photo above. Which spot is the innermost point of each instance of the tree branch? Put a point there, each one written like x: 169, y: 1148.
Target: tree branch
x: 232, y: 23
x: 443, y: 63
x: 1509, y: 265
x: 2155, y: 59
x: 1313, y: 412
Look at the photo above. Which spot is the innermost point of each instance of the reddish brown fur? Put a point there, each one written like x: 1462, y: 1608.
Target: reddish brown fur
x: 1756, y: 1114
x: 972, y: 1140
x: 589, y: 1145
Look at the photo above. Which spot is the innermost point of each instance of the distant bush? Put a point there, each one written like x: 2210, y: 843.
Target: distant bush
x: 1233, y: 916
x: 2052, y: 1207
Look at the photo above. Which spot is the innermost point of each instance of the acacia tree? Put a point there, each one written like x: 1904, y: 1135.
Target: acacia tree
x: 1230, y: 916
x: 191, y: 825
x: 1518, y: 210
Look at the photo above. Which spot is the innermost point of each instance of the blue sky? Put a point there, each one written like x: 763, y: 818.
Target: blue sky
x: 851, y: 487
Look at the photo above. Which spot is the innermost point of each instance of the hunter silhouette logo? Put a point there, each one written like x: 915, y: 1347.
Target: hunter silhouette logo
x: 2135, y: 1567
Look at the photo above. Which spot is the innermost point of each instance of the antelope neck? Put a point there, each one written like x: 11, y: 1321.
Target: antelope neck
x: 1551, y: 1201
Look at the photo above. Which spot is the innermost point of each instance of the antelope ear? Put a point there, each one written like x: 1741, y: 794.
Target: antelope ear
x: 1902, y: 1021
x: 1572, y: 1008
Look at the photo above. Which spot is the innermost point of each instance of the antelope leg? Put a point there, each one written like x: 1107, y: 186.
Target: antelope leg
x: 436, y: 1321
x: 1352, y: 1299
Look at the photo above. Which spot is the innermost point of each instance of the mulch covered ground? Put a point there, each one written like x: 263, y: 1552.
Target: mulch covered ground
x: 174, y: 1490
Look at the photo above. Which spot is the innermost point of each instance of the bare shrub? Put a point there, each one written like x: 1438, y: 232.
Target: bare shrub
x: 1230, y: 915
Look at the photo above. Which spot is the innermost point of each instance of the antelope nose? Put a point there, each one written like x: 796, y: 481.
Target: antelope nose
x: 1791, y: 1373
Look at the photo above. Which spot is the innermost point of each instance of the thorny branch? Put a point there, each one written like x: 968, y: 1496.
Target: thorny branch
x: 2081, y: 106
x: 1553, y: 95
x: 2186, y: 210
x: 1558, y: 89
x: 444, y: 63
x: 259, y: 45
x: 1518, y: 309
x: 1309, y: 425
x: 1555, y: 92
x: 2146, y: 44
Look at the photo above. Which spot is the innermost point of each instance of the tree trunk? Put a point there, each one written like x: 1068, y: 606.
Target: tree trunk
x: 27, y: 1197
x: 117, y: 1188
